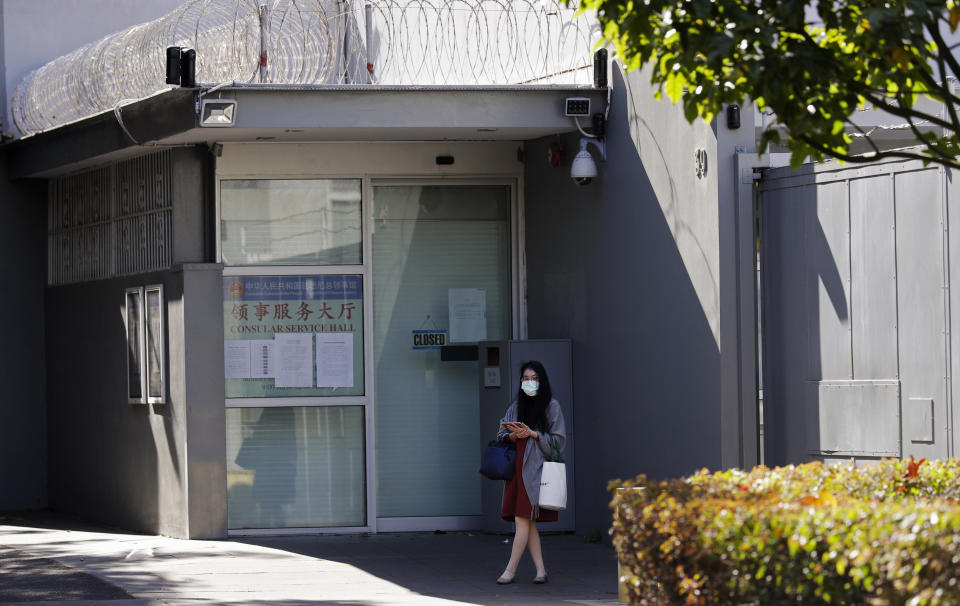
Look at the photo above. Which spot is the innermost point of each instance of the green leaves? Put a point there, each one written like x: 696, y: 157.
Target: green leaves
x: 883, y: 534
x: 675, y: 85
x: 860, y: 53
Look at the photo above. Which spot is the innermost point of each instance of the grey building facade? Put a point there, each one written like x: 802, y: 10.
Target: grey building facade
x: 427, y: 193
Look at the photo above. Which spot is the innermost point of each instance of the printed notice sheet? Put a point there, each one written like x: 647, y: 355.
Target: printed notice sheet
x: 236, y: 359
x: 261, y: 359
x: 335, y: 359
x: 294, y: 360
x: 468, y: 314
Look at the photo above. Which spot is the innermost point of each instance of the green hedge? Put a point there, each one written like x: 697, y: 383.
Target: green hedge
x: 884, y: 534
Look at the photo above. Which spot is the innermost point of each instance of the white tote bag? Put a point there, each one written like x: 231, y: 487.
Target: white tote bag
x: 553, y: 486
x: 553, y: 480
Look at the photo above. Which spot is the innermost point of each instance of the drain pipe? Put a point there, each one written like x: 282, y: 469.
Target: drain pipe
x: 368, y: 23
x: 346, y: 12
x: 264, y: 24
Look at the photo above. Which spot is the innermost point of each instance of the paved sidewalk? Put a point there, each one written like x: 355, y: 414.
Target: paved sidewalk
x: 57, y: 562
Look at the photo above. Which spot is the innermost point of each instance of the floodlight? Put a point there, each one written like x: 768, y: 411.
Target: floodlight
x: 218, y: 112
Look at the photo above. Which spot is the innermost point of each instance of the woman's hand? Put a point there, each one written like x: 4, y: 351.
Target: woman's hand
x: 520, y: 431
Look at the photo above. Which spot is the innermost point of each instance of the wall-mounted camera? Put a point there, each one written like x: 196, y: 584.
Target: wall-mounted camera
x: 584, y: 168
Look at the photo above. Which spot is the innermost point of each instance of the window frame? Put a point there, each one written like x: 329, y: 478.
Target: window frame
x: 138, y: 292
x: 290, y: 268
x: 162, y: 349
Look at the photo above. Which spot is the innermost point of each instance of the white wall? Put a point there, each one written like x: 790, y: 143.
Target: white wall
x: 37, y: 31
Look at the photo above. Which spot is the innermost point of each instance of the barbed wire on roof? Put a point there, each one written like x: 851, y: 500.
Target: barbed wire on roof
x: 387, y: 42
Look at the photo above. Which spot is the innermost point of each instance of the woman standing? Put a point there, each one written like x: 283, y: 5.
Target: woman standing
x: 531, y: 421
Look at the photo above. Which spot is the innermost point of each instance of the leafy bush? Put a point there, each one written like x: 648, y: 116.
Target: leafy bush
x: 884, y: 534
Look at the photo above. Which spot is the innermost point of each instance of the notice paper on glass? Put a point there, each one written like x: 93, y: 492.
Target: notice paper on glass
x: 335, y: 359
x: 236, y: 359
x: 468, y: 314
x: 294, y: 360
x: 261, y: 359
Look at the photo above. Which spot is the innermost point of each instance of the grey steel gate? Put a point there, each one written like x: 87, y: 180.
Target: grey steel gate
x: 856, y: 268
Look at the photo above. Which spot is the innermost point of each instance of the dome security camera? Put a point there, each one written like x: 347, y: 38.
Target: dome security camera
x: 584, y: 169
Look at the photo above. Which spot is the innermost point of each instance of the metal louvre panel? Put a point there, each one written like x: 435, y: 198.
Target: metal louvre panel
x: 143, y: 243
x: 93, y: 259
x: 111, y: 221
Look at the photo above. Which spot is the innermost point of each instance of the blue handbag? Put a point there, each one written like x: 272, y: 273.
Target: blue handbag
x: 498, y: 460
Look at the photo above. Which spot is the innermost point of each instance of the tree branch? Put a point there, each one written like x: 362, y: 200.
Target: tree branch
x: 900, y: 110
x: 897, y: 110
x: 866, y: 136
x: 940, y: 87
x: 823, y: 149
x: 920, y: 139
x: 948, y: 102
x: 934, y: 31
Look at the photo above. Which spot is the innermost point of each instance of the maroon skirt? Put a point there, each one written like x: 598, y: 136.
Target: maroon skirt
x: 516, y: 503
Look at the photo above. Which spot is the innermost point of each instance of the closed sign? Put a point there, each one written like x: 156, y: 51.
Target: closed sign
x: 429, y: 339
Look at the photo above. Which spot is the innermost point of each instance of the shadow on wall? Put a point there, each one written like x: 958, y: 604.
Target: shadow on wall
x: 104, y: 456
x: 670, y: 160
x: 23, y: 442
x: 856, y: 295
x: 796, y: 259
x: 625, y: 268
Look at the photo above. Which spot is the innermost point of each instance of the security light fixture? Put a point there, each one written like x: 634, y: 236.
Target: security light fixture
x: 733, y: 116
x: 218, y: 112
x: 181, y: 66
x: 576, y: 106
x: 600, y: 68
x: 173, y: 65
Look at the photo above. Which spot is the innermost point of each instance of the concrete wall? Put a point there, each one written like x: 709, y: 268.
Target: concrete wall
x: 134, y: 465
x: 628, y: 268
x: 737, y: 151
x: 111, y: 461
x: 202, y: 371
x: 38, y: 31
x: 23, y: 444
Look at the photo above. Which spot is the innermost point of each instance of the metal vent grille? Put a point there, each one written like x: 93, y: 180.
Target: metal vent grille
x: 111, y: 221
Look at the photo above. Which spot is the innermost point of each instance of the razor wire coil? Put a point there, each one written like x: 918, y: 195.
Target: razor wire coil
x: 317, y: 42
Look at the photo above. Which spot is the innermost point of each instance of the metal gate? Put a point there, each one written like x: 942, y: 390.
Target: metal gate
x: 856, y: 311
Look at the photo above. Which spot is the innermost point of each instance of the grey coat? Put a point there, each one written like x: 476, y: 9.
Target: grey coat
x: 533, y: 458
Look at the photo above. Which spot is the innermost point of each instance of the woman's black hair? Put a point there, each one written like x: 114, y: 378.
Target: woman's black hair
x: 533, y: 410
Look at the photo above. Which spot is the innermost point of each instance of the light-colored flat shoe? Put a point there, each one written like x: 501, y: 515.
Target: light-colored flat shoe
x: 505, y: 580
x: 540, y: 580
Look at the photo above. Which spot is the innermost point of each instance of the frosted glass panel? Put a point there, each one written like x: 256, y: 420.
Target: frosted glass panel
x: 426, y: 241
x: 295, y: 467
x: 290, y: 221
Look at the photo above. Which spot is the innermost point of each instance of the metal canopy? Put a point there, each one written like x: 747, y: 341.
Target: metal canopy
x: 302, y: 113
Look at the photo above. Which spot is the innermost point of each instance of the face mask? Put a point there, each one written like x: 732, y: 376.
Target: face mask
x: 530, y: 387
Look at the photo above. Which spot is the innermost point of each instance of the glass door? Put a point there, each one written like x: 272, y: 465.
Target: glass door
x: 441, y: 276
